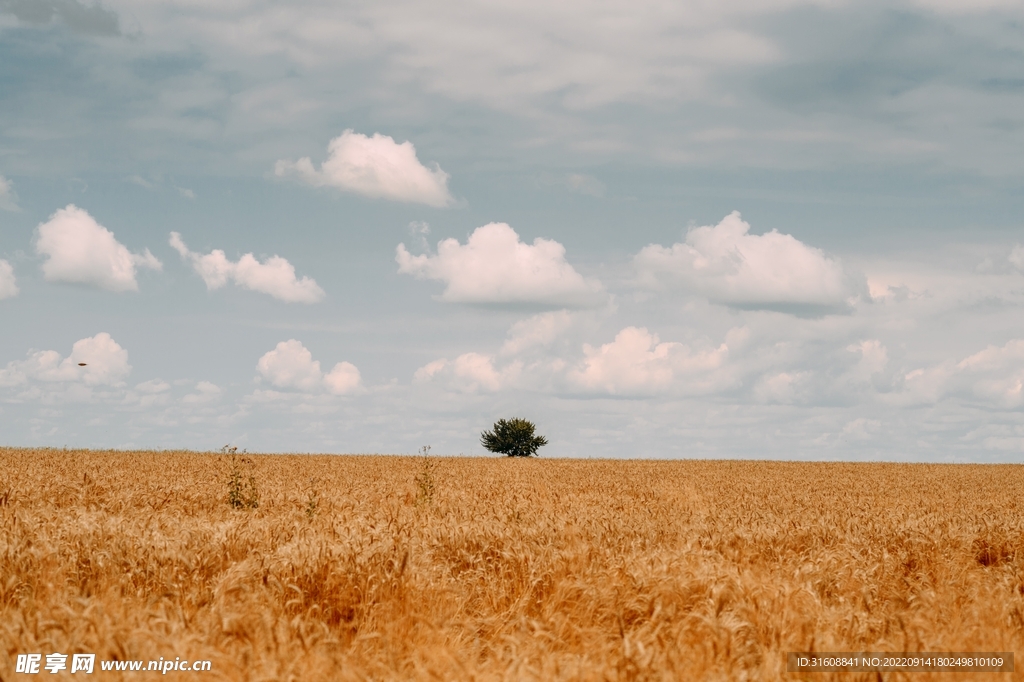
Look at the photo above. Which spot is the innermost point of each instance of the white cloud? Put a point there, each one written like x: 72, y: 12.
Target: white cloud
x: 1016, y: 257
x: 8, y: 198
x: 470, y: 373
x: 873, y: 359
x: 206, y: 392
x: 105, y: 363
x: 494, y: 267
x: 149, y: 394
x: 782, y: 387
x: 994, y: 376
x: 634, y: 364
x: 8, y: 284
x: 291, y: 366
x: 861, y: 429
x: 537, y: 331
x: 809, y: 371
x: 343, y: 378
x: 275, y: 277
x: 637, y: 363
x: 153, y: 387
x: 81, y: 251
x: 728, y: 265
x: 375, y: 167
x: 926, y: 384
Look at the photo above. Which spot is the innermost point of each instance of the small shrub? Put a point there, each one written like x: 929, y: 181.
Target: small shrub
x: 425, y: 479
x: 242, y: 490
x: 313, y: 501
x: 513, y: 437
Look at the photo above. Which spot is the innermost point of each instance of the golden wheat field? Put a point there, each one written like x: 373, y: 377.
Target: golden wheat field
x: 394, y: 568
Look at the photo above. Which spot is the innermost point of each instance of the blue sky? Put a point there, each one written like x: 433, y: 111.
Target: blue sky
x: 770, y: 229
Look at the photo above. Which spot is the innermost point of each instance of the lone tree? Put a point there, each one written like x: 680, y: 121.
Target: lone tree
x: 513, y: 437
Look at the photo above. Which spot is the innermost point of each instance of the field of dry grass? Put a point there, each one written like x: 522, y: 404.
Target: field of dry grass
x: 378, y: 567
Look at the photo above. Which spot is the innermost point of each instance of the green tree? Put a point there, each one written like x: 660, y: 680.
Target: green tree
x: 513, y: 437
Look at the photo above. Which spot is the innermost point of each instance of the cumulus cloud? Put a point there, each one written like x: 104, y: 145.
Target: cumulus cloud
x: 375, y: 167
x: 206, y: 392
x: 291, y: 366
x: 275, y: 277
x: 343, y: 378
x: 782, y: 387
x: 149, y: 394
x: 996, y: 374
x: 81, y: 251
x: 1016, y: 256
x: 993, y: 376
x: 637, y: 362
x: 860, y: 429
x: 470, y: 373
x: 494, y: 267
x: 537, y: 331
x: 8, y: 284
x: 530, y: 338
x: 8, y: 199
x: 798, y: 372
x: 153, y: 387
x: 872, y: 361
x: 769, y: 271
x: 105, y: 363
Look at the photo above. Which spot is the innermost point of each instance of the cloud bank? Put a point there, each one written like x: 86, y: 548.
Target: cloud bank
x: 730, y: 266
x: 105, y: 363
x: 291, y: 366
x: 636, y: 364
x: 81, y: 251
x: 375, y: 167
x: 494, y: 267
x: 275, y: 277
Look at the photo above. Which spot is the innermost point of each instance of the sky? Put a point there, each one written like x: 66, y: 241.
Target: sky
x: 769, y: 229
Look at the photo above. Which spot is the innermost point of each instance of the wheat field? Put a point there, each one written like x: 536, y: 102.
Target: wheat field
x: 395, y: 568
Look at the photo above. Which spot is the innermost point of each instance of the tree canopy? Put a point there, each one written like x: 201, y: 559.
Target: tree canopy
x: 513, y: 437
